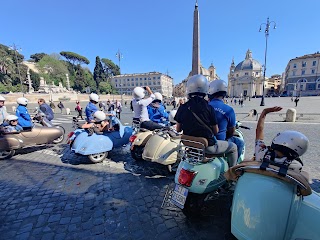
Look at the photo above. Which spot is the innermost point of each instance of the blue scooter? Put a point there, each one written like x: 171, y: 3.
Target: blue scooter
x: 96, y: 146
x: 270, y: 203
x: 199, y: 176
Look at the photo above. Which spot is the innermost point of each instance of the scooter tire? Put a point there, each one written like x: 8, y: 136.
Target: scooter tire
x: 99, y: 157
x: 61, y: 138
x: 6, y: 154
x: 193, y: 205
x: 136, y: 153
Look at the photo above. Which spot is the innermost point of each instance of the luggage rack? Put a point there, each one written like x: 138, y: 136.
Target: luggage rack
x: 194, y: 151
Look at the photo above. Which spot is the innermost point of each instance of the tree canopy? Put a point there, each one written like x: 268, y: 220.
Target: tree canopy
x: 110, y: 67
x: 98, y: 73
x: 74, y: 58
x: 37, y: 56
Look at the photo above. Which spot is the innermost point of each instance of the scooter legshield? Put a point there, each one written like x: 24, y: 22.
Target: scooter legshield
x: 209, y: 176
x: 86, y: 145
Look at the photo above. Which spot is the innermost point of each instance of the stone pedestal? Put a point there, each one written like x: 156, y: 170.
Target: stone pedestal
x: 291, y: 115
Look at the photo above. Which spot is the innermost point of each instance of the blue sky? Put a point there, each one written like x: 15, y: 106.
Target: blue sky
x: 156, y: 35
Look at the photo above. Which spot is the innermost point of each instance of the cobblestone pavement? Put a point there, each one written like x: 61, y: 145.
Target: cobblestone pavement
x: 50, y: 193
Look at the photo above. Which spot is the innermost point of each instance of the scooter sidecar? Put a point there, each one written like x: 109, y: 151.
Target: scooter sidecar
x: 267, y: 206
x: 9, y: 142
x: 97, y: 146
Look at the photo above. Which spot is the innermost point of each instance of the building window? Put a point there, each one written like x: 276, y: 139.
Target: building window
x: 313, y: 71
x: 116, y: 80
x: 304, y: 64
x: 140, y: 84
x: 158, y: 77
x: 318, y: 85
x: 140, y: 78
x: 116, y: 85
x: 293, y: 73
x: 149, y: 78
x: 246, y: 74
x: 294, y: 65
x: 154, y: 77
x: 257, y: 73
x: 145, y: 78
x: 132, y: 84
x: 136, y: 79
x: 303, y: 72
x: 128, y: 80
x: 314, y: 63
x: 131, y: 79
x: 124, y: 84
x: 311, y: 87
x: 137, y: 84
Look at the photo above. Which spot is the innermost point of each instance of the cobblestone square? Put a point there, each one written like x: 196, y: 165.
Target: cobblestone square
x: 51, y: 193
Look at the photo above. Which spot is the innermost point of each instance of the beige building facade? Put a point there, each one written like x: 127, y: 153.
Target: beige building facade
x: 302, y: 75
x: 158, y: 82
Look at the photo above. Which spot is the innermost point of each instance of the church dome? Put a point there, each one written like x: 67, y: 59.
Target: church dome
x: 249, y: 63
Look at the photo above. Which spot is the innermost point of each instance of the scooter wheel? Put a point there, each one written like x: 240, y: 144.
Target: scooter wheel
x: 6, y: 154
x: 99, y: 157
x: 61, y: 138
x: 136, y: 153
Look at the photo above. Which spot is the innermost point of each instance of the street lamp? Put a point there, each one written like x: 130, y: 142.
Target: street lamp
x: 119, y: 56
x: 16, y: 49
x: 265, y: 54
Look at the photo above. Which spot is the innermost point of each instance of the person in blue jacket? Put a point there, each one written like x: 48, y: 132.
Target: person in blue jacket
x: 91, y: 108
x: 24, y: 119
x: 156, y: 110
x: 225, y: 114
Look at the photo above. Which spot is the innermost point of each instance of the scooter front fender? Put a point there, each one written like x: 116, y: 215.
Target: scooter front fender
x: 86, y: 145
x: 209, y: 176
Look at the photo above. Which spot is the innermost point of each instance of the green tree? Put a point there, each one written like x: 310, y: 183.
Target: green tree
x: 110, y: 67
x: 52, y: 70
x: 35, y: 78
x: 98, y: 73
x: 74, y: 58
x: 105, y: 87
x: 38, y: 56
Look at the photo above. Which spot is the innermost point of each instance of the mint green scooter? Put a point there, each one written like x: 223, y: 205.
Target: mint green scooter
x: 199, y: 176
x: 268, y: 204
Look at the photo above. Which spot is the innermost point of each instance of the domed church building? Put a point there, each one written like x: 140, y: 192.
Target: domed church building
x: 246, y: 78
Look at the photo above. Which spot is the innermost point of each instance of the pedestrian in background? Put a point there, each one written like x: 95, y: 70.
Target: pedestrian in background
x: 79, y: 109
x: 60, y: 106
x: 53, y: 107
x: 296, y: 101
x: 118, y: 108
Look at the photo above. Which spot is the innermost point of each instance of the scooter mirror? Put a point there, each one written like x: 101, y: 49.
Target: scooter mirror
x: 252, y: 113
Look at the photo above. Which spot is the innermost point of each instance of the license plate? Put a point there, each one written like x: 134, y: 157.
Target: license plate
x: 179, y: 196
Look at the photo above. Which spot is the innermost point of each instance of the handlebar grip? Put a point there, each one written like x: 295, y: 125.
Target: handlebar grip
x: 245, y: 127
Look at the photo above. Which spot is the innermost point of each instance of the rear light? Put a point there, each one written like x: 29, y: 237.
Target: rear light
x: 132, y: 138
x: 70, y: 134
x: 186, y: 177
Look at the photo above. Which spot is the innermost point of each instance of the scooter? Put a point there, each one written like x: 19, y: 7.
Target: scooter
x: 40, y: 119
x: 199, y: 176
x: 97, y: 145
x: 139, y: 140
x: 269, y: 203
x: 162, y: 147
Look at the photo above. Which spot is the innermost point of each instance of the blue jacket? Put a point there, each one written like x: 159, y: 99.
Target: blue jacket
x: 90, y: 110
x: 226, y: 117
x: 156, y: 114
x: 24, y: 119
x: 46, y: 109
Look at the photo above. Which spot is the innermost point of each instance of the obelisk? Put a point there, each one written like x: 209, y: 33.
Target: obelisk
x: 196, y: 42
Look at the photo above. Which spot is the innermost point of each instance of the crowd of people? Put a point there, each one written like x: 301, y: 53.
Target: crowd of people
x: 215, y: 120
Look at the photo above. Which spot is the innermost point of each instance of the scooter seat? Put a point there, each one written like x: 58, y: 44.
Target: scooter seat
x: 143, y: 130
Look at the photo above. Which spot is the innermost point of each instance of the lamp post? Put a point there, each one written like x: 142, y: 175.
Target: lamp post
x: 119, y: 56
x: 266, y: 32
x: 16, y: 49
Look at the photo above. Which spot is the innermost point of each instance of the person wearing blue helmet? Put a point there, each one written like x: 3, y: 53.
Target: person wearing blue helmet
x: 157, y: 112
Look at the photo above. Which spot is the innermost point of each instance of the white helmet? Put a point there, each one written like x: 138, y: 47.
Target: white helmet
x: 22, y: 101
x: 11, y: 118
x: 217, y: 86
x: 138, y: 93
x: 293, y: 143
x: 158, y: 96
x: 172, y: 114
x: 99, y: 116
x: 2, y: 98
x: 197, y: 84
x: 94, y: 97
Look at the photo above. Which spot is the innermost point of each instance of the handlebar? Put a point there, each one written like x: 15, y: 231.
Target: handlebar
x: 244, y: 127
